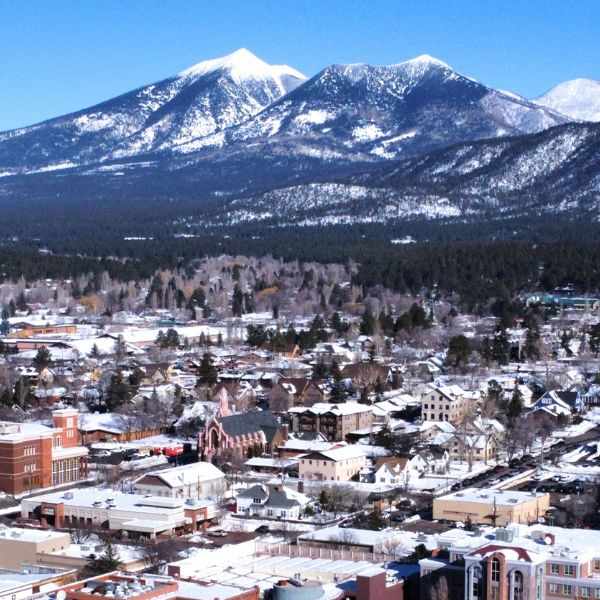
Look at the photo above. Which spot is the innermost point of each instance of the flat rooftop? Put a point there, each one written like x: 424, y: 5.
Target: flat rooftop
x: 488, y: 496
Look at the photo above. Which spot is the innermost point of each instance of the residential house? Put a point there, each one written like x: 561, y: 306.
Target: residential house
x: 445, y: 403
x: 196, y: 480
x: 399, y: 471
x: 289, y: 392
x: 339, y: 464
x: 271, y: 501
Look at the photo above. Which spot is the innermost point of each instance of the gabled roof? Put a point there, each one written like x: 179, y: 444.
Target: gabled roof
x: 249, y: 423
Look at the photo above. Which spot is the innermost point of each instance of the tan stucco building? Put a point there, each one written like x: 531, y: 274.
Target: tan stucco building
x: 495, y: 507
x: 21, y: 546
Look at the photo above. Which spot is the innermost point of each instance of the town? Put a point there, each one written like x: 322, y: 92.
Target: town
x: 245, y: 428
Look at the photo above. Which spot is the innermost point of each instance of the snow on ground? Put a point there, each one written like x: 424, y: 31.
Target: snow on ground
x: 575, y: 430
x: 314, y: 117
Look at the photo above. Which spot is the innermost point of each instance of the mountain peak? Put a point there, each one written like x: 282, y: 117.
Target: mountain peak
x: 242, y: 65
x: 576, y: 98
x: 428, y: 60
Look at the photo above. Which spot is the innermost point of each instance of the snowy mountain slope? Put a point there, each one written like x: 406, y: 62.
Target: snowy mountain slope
x: 201, y: 100
x: 578, y: 99
x: 555, y: 172
x: 356, y: 113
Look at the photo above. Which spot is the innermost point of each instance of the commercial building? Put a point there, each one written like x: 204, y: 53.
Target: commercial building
x: 19, y: 546
x: 34, y: 456
x: 152, y: 587
x: 521, y: 562
x: 495, y: 507
x: 334, y: 421
x: 135, y: 514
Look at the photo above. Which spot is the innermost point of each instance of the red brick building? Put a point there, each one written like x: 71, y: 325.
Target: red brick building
x: 33, y: 456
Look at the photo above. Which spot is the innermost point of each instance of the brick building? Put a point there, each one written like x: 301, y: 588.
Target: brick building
x: 34, y: 456
x: 334, y: 421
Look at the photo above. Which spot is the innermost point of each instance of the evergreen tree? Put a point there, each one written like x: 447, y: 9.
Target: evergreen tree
x: 237, y: 302
x: 515, y: 405
x: 42, y: 359
x: 501, y: 347
x: 459, y: 350
x: 118, y: 392
x: 594, y: 338
x: 94, y: 352
x: 104, y: 563
x: 367, y: 323
x: 565, y: 343
x: 120, y: 349
x: 319, y: 370
x: 207, y: 372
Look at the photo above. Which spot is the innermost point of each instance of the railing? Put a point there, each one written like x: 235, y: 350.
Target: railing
x: 305, y: 551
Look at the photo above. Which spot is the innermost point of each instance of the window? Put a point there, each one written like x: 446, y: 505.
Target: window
x: 495, y: 570
x: 597, y: 593
x: 553, y: 588
x: 567, y: 589
x: 554, y: 569
x: 30, y: 468
x: 570, y: 570
x: 475, y: 589
x: 597, y: 565
x: 584, y: 592
x: 518, y: 588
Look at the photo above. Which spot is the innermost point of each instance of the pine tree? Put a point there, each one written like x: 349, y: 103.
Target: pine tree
x: 42, y: 359
x: 237, y: 302
x: 104, y: 563
x: 207, y: 372
x: 515, y: 405
x: 367, y: 323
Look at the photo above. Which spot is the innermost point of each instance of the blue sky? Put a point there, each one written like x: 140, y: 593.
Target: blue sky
x: 60, y: 56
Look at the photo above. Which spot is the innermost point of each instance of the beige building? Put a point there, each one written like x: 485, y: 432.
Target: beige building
x: 491, y: 507
x: 20, y: 547
x: 444, y: 403
x: 339, y: 464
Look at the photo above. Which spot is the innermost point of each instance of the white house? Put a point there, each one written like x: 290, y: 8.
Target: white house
x: 401, y: 471
x: 271, y: 501
x: 196, y: 480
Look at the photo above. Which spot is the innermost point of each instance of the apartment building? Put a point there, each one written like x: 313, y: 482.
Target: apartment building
x: 334, y: 421
x: 489, y: 506
x: 338, y: 464
x: 33, y: 456
x: 445, y: 403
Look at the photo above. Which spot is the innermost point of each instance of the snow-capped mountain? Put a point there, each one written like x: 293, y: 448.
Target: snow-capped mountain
x: 204, y: 99
x: 366, y: 113
x: 578, y: 99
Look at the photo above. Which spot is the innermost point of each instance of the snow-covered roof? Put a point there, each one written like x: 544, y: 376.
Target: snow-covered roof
x: 187, y: 474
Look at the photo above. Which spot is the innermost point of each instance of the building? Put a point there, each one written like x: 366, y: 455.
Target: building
x: 113, y: 427
x: 338, y: 464
x: 241, y: 436
x: 136, y: 514
x: 196, y: 480
x: 444, y: 403
x: 289, y: 392
x: 334, y: 421
x: 153, y: 587
x: 487, y: 506
x: 273, y: 501
x: 19, y: 546
x: 528, y: 562
x: 399, y: 471
x: 34, y: 456
x: 31, y: 581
